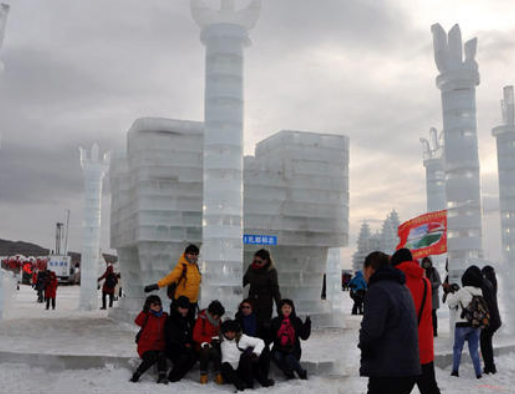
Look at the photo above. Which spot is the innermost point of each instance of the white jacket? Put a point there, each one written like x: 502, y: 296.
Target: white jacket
x: 232, y: 350
x: 461, y: 299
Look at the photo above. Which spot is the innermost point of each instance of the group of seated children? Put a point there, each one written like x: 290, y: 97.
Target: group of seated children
x: 238, y: 350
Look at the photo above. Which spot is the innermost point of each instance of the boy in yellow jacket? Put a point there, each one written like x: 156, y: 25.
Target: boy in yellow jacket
x: 185, y: 278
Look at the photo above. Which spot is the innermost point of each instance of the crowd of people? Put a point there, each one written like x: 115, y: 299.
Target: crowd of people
x: 239, y: 351
x: 399, y: 321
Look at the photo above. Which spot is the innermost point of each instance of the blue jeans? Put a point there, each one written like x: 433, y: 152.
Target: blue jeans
x: 287, y: 363
x: 471, y: 335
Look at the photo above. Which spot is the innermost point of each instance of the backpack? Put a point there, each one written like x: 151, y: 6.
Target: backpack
x: 111, y: 281
x: 170, y: 290
x: 476, y: 313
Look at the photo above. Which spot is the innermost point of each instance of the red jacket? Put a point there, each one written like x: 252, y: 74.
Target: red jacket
x: 153, y: 335
x: 204, y: 330
x: 105, y: 288
x: 415, y: 282
x: 51, y: 286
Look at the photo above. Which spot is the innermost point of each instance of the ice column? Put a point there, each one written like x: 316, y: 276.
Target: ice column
x: 94, y: 170
x: 435, y: 171
x: 225, y: 35
x: 457, y: 81
x: 505, y: 136
x: 4, y: 10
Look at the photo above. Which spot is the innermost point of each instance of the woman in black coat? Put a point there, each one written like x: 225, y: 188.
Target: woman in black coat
x: 490, y: 295
x: 264, y: 286
x: 286, y: 331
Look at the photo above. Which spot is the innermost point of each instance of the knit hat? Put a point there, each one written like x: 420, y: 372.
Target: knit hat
x: 216, y: 308
x: 401, y: 256
x: 230, y: 325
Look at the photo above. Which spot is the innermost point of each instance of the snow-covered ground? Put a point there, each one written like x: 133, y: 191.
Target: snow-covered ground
x: 30, y: 327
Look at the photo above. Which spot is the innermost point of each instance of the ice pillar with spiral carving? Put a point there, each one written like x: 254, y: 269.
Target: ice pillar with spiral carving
x: 94, y: 169
x: 225, y: 34
x: 457, y: 81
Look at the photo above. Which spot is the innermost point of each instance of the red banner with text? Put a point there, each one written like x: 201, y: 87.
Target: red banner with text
x: 424, y: 235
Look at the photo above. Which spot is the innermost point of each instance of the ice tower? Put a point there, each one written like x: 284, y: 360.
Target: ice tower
x: 225, y: 33
x: 457, y: 81
x: 505, y: 136
x: 94, y: 169
x: 434, y: 163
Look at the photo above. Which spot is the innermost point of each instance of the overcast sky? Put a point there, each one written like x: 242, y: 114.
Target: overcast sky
x: 81, y: 71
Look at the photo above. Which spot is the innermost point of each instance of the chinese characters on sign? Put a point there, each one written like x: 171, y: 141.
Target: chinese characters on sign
x: 250, y: 239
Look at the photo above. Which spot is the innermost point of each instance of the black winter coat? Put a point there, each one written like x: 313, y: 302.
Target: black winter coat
x: 302, y: 331
x: 388, y: 338
x: 178, y: 335
x: 490, y: 297
x: 264, y: 289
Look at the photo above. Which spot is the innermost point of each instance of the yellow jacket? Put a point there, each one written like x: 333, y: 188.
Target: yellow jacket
x: 190, y: 285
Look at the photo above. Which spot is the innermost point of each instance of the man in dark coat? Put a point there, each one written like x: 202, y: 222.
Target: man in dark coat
x: 388, y: 338
x: 490, y: 295
x: 180, y: 348
x: 264, y: 286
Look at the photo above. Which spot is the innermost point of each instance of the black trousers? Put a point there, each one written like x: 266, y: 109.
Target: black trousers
x: 182, y: 364
x: 487, y: 350
x: 243, y: 376
x: 435, y: 323
x: 390, y: 385
x: 426, y: 382
x: 48, y: 300
x: 150, y: 358
x: 111, y: 299
x: 210, y: 354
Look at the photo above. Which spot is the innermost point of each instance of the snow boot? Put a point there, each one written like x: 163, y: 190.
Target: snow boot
x: 219, y: 379
x: 203, y: 379
x: 303, y: 374
x: 135, y: 377
x: 162, y: 379
x: 455, y: 373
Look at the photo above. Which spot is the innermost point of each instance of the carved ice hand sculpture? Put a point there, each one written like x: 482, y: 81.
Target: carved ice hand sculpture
x: 433, y: 147
x: 246, y: 17
x: 448, y: 49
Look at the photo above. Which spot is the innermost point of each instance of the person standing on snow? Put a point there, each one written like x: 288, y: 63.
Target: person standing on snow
x: 50, y: 289
x: 388, y: 337
x: 472, y: 281
x: 358, y: 290
x: 183, y: 280
x: 264, y: 286
x: 490, y: 295
x: 420, y: 289
x: 108, y: 288
x: 434, y: 277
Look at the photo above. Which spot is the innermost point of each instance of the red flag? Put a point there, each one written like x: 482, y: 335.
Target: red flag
x: 424, y: 235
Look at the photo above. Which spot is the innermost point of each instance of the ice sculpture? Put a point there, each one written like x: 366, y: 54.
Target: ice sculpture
x: 457, y: 81
x: 225, y: 35
x: 300, y: 195
x: 4, y: 11
x: 156, y: 202
x: 94, y: 169
x: 334, y: 293
x: 505, y: 136
x: 434, y: 162
x: 296, y: 188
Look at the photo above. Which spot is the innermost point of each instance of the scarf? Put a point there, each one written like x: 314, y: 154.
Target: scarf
x: 286, y: 333
x: 157, y: 314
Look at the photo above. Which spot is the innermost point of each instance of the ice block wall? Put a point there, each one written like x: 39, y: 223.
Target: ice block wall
x: 156, y: 206
x: 225, y: 34
x: 434, y: 162
x: 505, y: 136
x: 94, y: 168
x: 457, y: 81
x: 296, y: 188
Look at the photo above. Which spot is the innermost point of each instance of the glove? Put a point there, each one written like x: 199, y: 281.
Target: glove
x: 308, y: 320
x: 206, y: 345
x: 150, y: 288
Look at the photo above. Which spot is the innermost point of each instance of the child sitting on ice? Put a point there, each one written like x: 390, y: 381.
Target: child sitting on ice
x: 151, y: 338
x: 287, y: 330
x: 243, y: 358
